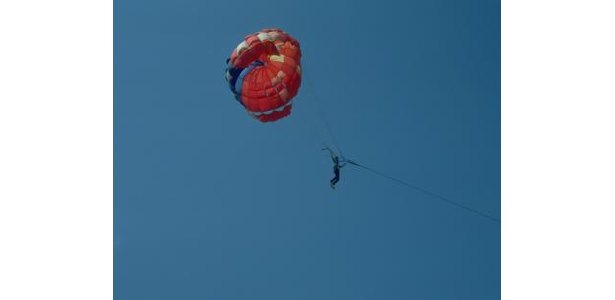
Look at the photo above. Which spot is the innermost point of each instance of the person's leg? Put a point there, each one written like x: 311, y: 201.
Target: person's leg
x: 333, y: 181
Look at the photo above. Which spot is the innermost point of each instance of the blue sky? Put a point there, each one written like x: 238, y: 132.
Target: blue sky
x: 211, y: 204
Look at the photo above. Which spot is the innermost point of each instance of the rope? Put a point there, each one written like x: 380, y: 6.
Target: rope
x: 424, y: 191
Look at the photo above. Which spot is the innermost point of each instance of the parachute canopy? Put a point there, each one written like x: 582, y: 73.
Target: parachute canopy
x: 264, y: 73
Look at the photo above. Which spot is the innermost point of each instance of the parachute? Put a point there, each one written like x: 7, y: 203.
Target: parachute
x: 264, y: 74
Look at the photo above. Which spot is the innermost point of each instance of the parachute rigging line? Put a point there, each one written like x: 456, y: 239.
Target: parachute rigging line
x: 321, y: 114
x: 424, y: 191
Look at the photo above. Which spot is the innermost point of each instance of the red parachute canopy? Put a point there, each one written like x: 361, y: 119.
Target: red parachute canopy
x: 264, y: 73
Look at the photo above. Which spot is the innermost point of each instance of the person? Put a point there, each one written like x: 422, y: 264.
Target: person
x: 337, y: 165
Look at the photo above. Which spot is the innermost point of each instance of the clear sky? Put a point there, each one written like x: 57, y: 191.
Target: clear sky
x: 211, y: 204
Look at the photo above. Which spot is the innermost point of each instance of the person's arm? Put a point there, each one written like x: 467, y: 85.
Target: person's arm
x: 330, y: 151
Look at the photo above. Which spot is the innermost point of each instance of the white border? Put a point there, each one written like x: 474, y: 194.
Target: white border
x: 558, y: 170
x: 56, y: 138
